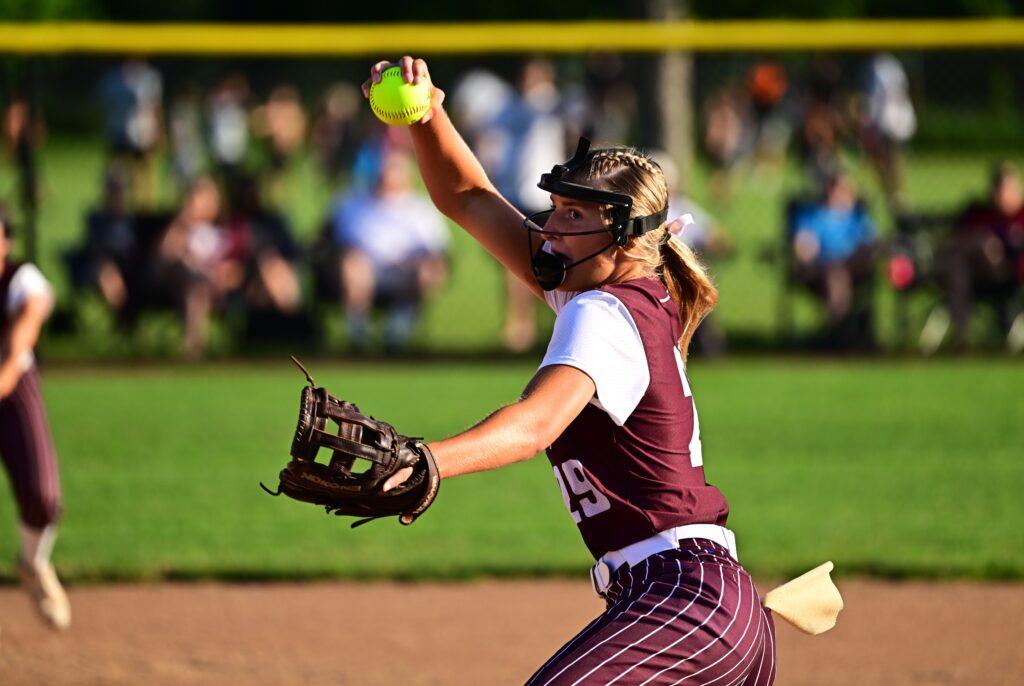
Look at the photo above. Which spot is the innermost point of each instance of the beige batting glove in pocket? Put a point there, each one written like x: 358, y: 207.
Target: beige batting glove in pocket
x: 810, y: 602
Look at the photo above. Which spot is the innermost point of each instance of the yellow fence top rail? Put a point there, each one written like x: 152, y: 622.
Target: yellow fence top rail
x: 392, y: 40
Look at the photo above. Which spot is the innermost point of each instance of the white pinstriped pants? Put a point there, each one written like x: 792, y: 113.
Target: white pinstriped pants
x: 686, y: 616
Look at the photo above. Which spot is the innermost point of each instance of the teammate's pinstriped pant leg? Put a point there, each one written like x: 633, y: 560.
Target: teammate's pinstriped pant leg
x: 28, y: 453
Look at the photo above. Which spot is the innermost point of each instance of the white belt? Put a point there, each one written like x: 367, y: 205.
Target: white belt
x: 602, y: 573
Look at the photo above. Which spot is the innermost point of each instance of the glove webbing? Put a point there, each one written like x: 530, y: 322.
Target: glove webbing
x: 382, y: 456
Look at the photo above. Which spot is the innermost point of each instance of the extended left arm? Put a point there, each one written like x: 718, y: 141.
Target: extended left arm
x: 516, y: 432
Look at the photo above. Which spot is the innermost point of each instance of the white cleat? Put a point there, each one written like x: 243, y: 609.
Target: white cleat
x: 934, y: 331
x: 48, y: 596
x: 1015, y: 339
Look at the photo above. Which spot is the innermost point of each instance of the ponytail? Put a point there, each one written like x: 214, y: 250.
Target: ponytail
x: 690, y: 287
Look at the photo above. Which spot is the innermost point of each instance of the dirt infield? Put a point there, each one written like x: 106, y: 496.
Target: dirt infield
x: 476, y: 633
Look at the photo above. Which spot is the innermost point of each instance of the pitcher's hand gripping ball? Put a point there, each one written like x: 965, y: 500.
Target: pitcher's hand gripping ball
x: 364, y: 453
x: 396, y: 102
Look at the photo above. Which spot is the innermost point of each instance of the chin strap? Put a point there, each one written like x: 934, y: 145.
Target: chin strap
x: 550, y: 270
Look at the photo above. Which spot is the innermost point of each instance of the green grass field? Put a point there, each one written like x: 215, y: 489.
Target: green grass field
x: 903, y: 469
x: 898, y: 468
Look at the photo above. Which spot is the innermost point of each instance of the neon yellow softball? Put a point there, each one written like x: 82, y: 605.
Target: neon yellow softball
x: 396, y: 102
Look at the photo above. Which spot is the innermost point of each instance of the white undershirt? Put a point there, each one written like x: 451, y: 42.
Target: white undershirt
x: 27, y: 282
x: 595, y: 333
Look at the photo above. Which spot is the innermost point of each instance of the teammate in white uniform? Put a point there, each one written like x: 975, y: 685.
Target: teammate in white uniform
x: 612, y: 408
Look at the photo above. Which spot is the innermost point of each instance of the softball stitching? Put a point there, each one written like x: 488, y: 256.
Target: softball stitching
x: 400, y: 115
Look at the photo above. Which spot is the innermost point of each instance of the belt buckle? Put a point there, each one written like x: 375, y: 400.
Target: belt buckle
x: 601, y: 577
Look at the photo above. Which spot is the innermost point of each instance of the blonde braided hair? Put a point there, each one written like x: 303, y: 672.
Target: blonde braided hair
x: 631, y: 172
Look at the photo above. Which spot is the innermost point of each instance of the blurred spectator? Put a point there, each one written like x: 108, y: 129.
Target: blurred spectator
x: 198, y: 263
x: 333, y: 135
x: 132, y: 94
x: 888, y: 123
x: 833, y: 244
x: 392, y: 247
x: 116, y: 256
x: 534, y: 136
x: 767, y: 87
x: 724, y: 134
x: 985, y: 261
x: 281, y: 122
x: 477, y: 99
x: 186, y: 137
x: 381, y: 141
x: 110, y: 247
x: 822, y: 125
x: 528, y: 135
x: 228, y: 120
x: 708, y: 239
x: 259, y: 239
x: 607, y: 109
x: 24, y: 132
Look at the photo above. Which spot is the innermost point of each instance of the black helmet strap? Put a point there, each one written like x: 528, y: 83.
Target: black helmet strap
x: 623, y: 227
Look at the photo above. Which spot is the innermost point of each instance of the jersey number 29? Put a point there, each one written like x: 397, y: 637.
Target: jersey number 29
x: 592, y: 501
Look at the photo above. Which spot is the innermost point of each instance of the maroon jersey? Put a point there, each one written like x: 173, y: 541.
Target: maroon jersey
x: 625, y: 483
x: 10, y: 268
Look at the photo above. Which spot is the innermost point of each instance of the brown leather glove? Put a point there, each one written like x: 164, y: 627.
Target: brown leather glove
x: 364, y: 453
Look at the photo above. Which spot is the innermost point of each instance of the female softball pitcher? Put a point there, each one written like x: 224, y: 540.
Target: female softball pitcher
x: 612, y: 406
x: 25, y: 443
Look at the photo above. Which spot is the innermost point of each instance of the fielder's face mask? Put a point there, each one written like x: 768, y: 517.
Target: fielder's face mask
x: 550, y: 269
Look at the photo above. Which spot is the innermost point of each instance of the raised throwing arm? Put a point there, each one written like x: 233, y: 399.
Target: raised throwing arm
x: 457, y: 183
